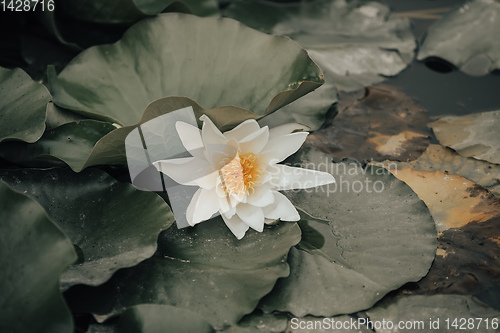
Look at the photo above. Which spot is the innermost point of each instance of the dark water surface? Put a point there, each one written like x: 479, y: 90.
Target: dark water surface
x: 444, y: 90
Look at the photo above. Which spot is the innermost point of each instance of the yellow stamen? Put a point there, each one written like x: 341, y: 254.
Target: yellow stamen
x: 241, y: 174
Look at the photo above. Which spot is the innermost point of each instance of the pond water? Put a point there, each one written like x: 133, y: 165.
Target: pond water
x: 443, y: 90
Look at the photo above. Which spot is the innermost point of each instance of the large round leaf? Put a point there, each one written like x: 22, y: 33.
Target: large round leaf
x: 379, y: 237
x: 435, y: 314
x: 152, y: 318
x: 213, y: 61
x: 22, y: 106
x: 112, y: 225
x: 439, y: 158
x: 258, y: 322
x: 355, y: 43
x: 204, y: 269
x: 467, y: 37
x: 57, y: 116
x: 473, y: 135
x: 33, y: 254
x: 467, y: 218
x: 71, y: 142
x: 113, y: 11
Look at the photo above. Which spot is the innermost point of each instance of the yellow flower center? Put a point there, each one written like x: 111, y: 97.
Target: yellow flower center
x: 240, y: 175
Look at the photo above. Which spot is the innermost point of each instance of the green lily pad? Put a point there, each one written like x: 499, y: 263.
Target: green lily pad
x: 57, y: 116
x: 439, y: 158
x: 311, y: 110
x: 435, y: 314
x: 153, y: 318
x: 380, y: 236
x: 22, y: 106
x: 258, y: 72
x: 71, y: 142
x: 112, y: 225
x: 355, y: 43
x: 200, y: 7
x: 33, y: 254
x: 475, y: 48
x: 114, y: 11
x: 204, y: 269
x: 473, y: 135
x: 258, y: 322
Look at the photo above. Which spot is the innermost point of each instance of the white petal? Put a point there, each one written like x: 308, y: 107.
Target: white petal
x: 191, y: 207
x: 286, y: 129
x: 285, y: 177
x: 267, y: 157
x: 254, y: 142
x: 285, y: 145
x: 230, y: 213
x: 270, y: 221
x: 243, y: 130
x: 188, y: 171
x: 210, y: 133
x: 261, y: 196
x: 227, y: 205
x: 251, y: 215
x: 220, y: 155
x: 236, y: 225
x: 191, y: 138
x: 204, y: 204
x: 281, y: 209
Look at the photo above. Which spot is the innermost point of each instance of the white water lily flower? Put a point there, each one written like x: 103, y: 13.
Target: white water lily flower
x: 238, y: 174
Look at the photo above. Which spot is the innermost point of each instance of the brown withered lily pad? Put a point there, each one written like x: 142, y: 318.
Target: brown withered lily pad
x: 467, y: 218
x: 473, y: 135
x: 377, y: 123
x: 439, y: 158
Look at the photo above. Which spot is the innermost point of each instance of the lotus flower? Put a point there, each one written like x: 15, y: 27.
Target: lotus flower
x: 238, y: 174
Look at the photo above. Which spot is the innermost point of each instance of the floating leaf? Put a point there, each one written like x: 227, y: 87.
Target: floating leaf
x: 473, y: 135
x: 435, y: 314
x: 238, y: 272
x: 361, y: 129
x: 33, y: 254
x: 439, y: 158
x: 260, y: 323
x: 467, y: 37
x: 76, y: 35
x: 71, y: 142
x: 468, y: 219
x: 379, y: 237
x: 355, y: 43
x: 57, y: 116
x: 260, y: 73
x: 202, y: 7
x: 22, y: 106
x: 311, y: 110
x: 151, y: 318
x: 114, y: 11
x: 112, y: 225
